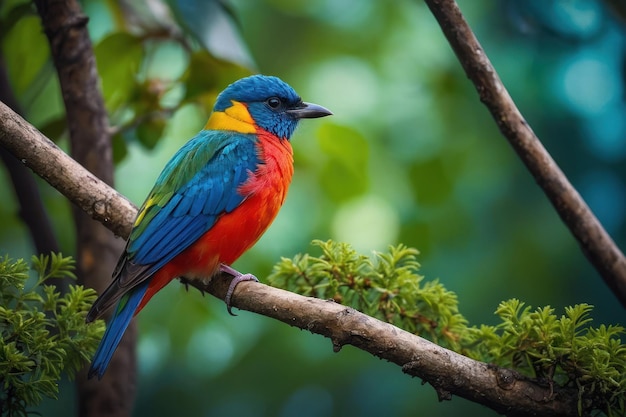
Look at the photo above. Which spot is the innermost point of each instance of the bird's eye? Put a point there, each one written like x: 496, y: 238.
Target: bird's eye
x: 273, y: 102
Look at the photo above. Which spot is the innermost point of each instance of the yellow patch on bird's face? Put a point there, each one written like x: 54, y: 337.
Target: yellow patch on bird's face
x: 235, y: 118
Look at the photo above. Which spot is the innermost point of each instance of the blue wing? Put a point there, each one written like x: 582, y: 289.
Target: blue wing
x: 196, y: 186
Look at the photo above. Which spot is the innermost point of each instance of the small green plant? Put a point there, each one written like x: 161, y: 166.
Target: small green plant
x: 387, y: 287
x: 560, y: 350
x: 42, y: 333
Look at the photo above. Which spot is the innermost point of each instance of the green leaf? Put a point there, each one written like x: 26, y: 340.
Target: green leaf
x: 27, y: 52
x: 118, y: 56
x: 120, y: 148
x: 42, y: 333
x: 54, y: 128
x: 206, y: 76
x: 12, y: 12
x: 150, y: 131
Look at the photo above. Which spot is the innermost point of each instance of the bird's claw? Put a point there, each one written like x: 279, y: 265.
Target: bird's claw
x: 187, y: 282
x: 238, y: 277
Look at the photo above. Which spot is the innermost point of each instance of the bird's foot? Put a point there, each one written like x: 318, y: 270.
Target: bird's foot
x: 238, y: 277
x: 187, y: 282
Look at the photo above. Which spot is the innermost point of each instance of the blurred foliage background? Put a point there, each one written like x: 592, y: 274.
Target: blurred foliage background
x: 410, y: 156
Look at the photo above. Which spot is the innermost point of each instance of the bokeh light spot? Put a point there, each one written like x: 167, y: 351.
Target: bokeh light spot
x: 153, y: 349
x: 368, y: 223
x: 605, y: 133
x: 210, y: 351
x: 588, y: 84
x: 348, y: 86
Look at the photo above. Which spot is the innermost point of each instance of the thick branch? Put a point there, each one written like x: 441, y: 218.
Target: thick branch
x: 450, y: 373
x: 595, y: 242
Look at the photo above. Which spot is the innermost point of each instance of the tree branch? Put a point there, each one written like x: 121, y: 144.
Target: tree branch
x: 594, y: 241
x: 448, y: 372
x: 503, y: 390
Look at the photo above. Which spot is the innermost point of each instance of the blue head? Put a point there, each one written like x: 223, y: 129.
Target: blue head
x: 273, y: 104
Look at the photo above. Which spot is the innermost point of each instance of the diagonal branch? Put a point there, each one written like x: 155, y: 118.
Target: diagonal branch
x: 448, y: 372
x: 594, y: 241
x: 503, y: 390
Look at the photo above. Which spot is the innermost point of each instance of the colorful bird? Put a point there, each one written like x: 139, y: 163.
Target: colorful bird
x: 212, y: 202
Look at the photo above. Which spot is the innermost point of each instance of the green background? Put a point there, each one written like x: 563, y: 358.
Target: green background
x: 409, y: 156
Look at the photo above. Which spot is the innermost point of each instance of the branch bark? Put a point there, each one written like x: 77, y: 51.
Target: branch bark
x: 448, y: 372
x: 97, y: 251
x: 594, y: 241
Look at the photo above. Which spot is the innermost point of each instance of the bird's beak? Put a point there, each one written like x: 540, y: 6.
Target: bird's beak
x: 309, y: 111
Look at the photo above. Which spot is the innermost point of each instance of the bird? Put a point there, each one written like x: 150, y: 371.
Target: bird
x: 213, y: 200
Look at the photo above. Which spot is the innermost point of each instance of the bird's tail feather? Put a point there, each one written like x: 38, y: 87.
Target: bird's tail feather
x: 124, y: 312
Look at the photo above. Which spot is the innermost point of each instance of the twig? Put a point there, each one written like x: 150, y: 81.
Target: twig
x: 448, y: 372
x: 594, y: 241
